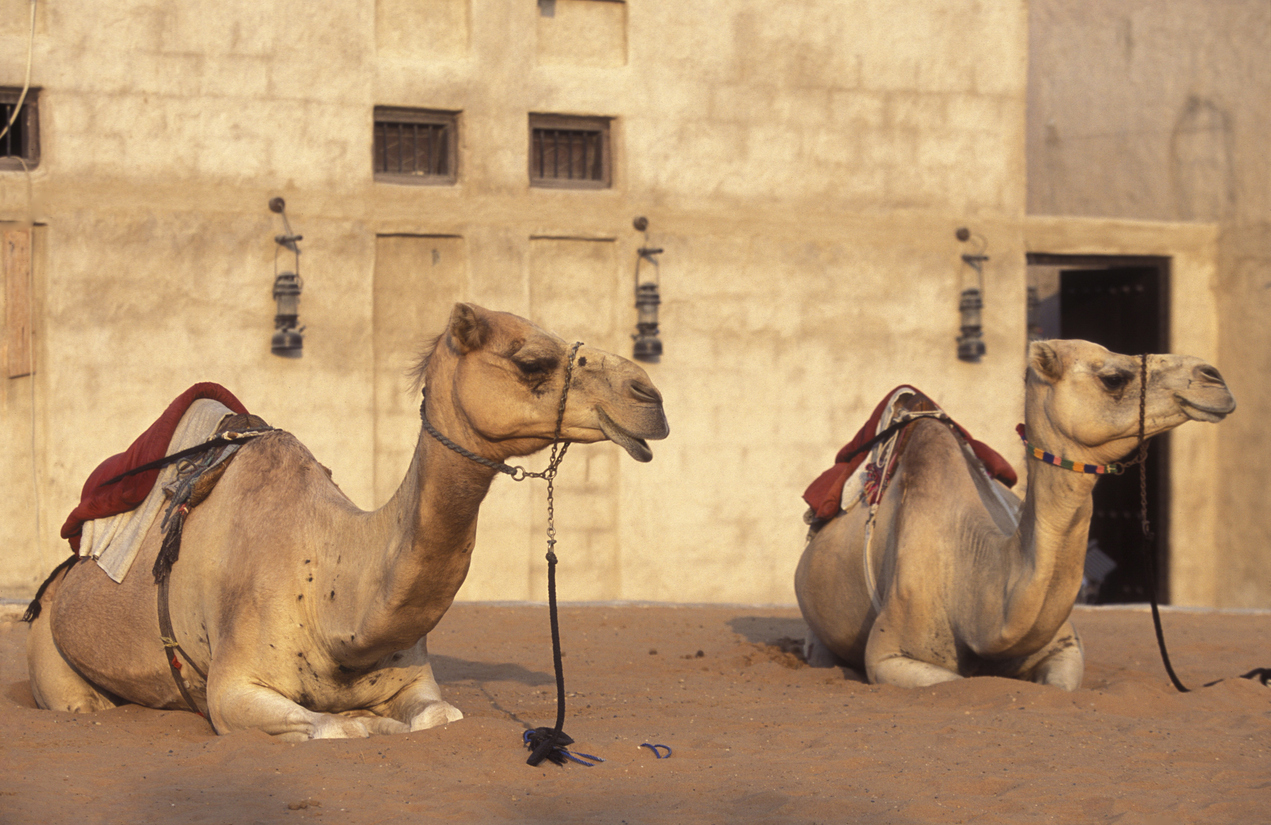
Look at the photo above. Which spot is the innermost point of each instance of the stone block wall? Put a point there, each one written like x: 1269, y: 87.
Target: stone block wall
x: 803, y: 168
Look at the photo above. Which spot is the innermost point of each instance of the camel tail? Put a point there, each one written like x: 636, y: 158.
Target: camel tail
x: 33, y: 609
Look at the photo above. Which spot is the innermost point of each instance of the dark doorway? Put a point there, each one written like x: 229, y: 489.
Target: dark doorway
x: 1123, y: 304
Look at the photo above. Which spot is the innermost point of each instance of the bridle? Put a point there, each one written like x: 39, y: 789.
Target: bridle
x: 517, y: 473
x: 545, y: 743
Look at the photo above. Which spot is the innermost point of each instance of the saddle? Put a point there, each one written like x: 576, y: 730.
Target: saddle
x: 100, y: 499
x: 887, y: 427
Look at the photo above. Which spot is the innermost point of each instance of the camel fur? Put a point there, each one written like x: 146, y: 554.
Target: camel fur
x: 310, y: 616
x: 970, y: 580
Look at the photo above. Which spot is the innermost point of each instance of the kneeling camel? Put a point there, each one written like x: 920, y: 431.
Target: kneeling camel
x: 959, y: 579
x: 308, y: 615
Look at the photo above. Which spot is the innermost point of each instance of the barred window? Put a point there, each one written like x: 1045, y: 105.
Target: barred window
x: 569, y: 152
x: 20, y: 146
x: 415, y: 145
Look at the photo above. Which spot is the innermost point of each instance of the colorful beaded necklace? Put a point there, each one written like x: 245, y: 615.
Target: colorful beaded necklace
x: 1113, y: 469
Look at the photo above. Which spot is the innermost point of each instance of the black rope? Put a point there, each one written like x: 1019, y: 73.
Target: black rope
x: 34, y: 609
x: 1156, y: 619
x: 517, y: 473
x: 1145, y: 546
x: 217, y: 441
x: 548, y: 743
x: 560, y: 753
x: 1261, y: 674
x: 886, y: 434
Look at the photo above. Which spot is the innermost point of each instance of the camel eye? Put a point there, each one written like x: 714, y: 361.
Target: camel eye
x: 536, y: 369
x: 1115, y: 381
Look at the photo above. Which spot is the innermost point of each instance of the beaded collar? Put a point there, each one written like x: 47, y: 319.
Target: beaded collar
x: 1113, y: 469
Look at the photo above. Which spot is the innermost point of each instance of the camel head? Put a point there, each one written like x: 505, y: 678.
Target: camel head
x: 1082, y: 400
x: 500, y: 379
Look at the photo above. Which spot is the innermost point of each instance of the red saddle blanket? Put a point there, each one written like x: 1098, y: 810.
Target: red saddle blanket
x: 98, y: 501
x: 825, y: 494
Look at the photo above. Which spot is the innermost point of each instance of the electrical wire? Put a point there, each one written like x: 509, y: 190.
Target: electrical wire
x: 26, y: 83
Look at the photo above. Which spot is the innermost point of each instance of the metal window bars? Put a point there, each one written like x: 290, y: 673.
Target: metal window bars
x: 567, y: 155
x: 406, y: 148
x: 15, y: 143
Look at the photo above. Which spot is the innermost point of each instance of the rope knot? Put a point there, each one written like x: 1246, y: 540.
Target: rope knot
x: 549, y: 744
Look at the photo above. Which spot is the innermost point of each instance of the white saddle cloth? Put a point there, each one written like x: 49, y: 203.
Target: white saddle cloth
x: 114, y: 541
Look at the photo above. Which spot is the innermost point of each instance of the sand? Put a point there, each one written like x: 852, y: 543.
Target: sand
x: 756, y: 735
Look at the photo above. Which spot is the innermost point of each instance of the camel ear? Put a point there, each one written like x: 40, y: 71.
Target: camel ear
x: 469, y: 329
x: 1045, y: 361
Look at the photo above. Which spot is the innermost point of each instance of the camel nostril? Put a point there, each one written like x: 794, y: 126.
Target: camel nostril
x: 1207, y: 373
x: 646, y: 393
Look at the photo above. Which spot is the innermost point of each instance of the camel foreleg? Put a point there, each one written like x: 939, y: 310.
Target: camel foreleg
x: 418, y: 704
x: 242, y: 704
x: 889, y: 659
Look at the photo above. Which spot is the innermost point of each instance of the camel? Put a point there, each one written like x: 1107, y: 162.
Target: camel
x: 967, y: 579
x: 310, y: 616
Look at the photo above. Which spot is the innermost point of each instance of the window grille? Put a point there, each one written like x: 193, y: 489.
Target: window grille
x: 414, y: 145
x: 21, y: 144
x: 569, y: 151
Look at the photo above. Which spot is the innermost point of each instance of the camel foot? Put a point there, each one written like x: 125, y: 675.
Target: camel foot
x: 904, y: 671
x: 438, y: 713
x: 816, y: 654
x: 332, y: 726
x: 1063, y: 662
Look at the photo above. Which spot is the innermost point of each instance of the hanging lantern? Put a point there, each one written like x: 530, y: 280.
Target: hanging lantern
x: 647, y: 347
x: 288, y: 340
x: 971, y: 302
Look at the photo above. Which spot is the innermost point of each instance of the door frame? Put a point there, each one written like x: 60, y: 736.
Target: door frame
x: 1196, y: 496
x: 1160, y: 468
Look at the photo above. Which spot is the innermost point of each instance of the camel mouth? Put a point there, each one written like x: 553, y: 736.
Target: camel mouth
x: 1210, y: 404
x: 1211, y: 412
x: 636, y: 447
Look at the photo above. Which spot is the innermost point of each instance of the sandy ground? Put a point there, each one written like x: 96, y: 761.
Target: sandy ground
x: 757, y: 736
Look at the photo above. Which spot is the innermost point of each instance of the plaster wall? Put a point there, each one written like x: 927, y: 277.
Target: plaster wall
x: 804, y: 170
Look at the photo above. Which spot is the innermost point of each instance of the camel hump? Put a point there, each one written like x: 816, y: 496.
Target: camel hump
x: 904, y: 404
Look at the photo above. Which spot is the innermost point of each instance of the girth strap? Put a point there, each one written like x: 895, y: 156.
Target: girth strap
x: 195, y: 480
x: 171, y: 648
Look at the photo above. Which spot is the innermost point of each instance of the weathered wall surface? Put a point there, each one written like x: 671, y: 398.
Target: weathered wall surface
x: 803, y: 169
x: 1156, y: 110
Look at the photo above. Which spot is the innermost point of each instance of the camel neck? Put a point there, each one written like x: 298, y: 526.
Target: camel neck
x: 1051, y: 542
x: 426, y: 533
